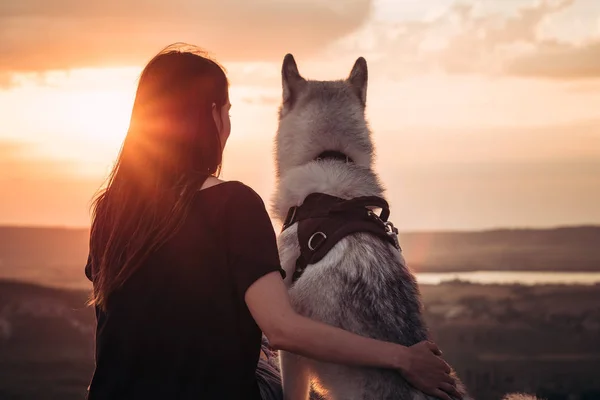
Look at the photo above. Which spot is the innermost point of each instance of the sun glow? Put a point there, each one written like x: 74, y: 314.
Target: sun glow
x: 83, y: 115
x: 79, y: 115
x: 101, y: 116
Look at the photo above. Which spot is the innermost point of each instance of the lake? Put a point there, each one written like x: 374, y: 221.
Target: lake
x: 511, y: 277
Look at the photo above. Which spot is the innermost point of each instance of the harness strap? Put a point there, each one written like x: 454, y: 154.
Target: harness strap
x: 324, y: 220
x: 321, y: 205
x: 365, y: 201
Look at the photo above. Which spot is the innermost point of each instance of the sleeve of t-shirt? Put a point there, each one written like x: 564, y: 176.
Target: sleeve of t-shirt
x: 252, y: 245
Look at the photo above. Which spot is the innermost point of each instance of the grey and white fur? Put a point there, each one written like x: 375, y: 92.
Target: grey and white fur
x: 363, y: 284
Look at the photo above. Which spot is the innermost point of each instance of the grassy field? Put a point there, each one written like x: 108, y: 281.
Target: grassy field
x: 499, y: 338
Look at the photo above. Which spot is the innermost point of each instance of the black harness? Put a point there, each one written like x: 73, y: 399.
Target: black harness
x: 324, y: 220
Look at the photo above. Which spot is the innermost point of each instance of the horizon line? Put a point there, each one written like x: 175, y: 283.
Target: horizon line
x: 432, y: 230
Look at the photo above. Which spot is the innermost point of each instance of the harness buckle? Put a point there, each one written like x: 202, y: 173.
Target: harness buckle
x: 389, y: 227
x: 316, y: 234
x: 392, y: 231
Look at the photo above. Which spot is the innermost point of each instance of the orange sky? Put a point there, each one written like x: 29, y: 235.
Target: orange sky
x: 485, y: 113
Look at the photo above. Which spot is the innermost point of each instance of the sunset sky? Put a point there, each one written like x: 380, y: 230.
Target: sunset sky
x: 485, y: 113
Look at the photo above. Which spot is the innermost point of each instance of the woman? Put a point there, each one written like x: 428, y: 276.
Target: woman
x: 185, y: 267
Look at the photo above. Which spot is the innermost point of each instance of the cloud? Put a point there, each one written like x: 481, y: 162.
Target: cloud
x: 559, y: 61
x: 484, y: 41
x: 41, y: 34
x: 465, y: 39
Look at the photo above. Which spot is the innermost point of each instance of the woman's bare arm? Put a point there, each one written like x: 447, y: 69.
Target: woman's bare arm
x: 269, y: 303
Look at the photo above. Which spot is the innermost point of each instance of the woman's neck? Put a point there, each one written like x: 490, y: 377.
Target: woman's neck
x: 210, y: 182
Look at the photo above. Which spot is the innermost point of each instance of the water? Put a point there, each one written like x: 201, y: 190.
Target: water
x: 512, y: 277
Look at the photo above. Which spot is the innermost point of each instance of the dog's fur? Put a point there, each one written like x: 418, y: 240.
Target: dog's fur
x: 362, y: 285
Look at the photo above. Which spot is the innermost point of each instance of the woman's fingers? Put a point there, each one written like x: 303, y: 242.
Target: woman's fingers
x: 441, y: 395
x: 434, y: 348
x: 450, y: 389
x: 448, y: 379
x: 447, y: 368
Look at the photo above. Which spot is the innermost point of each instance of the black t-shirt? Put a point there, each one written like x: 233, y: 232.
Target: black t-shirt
x: 179, y: 328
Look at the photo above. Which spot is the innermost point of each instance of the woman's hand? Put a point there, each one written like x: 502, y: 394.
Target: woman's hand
x: 426, y: 371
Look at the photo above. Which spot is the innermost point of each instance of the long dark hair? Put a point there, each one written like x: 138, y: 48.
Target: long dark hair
x: 171, y: 147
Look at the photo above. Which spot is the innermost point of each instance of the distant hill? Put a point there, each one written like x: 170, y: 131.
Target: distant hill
x: 559, y: 249
x: 56, y: 256
x: 50, y: 256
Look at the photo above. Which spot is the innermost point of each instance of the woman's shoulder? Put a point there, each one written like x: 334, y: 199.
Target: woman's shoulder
x: 235, y: 203
x: 244, y: 194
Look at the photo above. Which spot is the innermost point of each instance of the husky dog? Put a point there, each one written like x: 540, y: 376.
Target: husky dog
x: 363, y: 284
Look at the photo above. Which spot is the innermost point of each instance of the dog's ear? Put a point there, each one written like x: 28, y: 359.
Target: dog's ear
x: 291, y: 79
x: 358, y: 78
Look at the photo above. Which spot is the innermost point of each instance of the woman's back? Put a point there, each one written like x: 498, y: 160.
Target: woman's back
x: 179, y: 328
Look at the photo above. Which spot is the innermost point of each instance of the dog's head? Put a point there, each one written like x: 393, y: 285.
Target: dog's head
x: 317, y: 116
